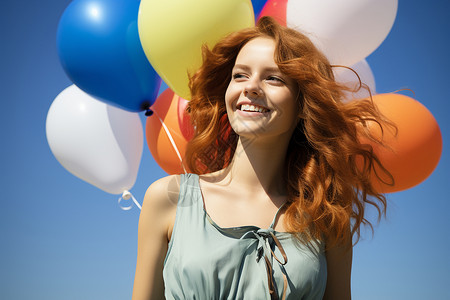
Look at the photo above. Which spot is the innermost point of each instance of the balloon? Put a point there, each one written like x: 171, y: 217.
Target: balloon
x: 99, y: 48
x: 165, y: 137
x: 184, y: 121
x: 96, y: 142
x: 258, y: 6
x: 173, y: 31
x: 347, y: 77
x: 416, y: 149
x: 275, y: 9
x: 346, y: 31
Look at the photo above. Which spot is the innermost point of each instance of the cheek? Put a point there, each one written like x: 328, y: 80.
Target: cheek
x: 231, y: 95
x: 289, y: 108
x: 227, y: 97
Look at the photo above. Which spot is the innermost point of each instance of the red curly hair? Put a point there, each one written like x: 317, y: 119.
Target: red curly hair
x: 327, y: 168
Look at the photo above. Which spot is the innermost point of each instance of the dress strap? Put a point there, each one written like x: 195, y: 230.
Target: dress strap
x: 188, y: 189
x: 276, y: 215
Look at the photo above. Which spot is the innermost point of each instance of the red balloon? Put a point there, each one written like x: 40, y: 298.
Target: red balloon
x: 416, y: 149
x: 168, y: 144
x: 276, y: 9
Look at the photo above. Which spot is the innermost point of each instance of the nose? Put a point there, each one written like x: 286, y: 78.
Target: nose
x: 252, y: 88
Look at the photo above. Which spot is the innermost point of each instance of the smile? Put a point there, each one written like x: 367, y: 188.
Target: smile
x: 252, y: 108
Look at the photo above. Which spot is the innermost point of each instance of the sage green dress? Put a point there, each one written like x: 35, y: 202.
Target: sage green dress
x: 205, y: 261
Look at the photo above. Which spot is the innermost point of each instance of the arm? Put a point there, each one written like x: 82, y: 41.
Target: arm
x: 155, y: 227
x: 339, y: 267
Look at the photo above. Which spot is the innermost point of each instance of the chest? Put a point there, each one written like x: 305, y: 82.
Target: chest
x: 229, y: 208
x: 215, y: 262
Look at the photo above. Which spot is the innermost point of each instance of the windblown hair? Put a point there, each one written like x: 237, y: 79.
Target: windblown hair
x: 327, y: 168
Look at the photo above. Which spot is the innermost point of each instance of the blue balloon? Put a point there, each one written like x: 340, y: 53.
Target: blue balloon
x: 258, y: 6
x: 100, y: 50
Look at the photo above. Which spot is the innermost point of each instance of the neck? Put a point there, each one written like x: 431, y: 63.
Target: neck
x: 259, y: 166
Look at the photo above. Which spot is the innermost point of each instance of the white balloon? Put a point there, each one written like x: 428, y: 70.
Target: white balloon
x: 96, y: 142
x: 347, y: 77
x: 346, y: 31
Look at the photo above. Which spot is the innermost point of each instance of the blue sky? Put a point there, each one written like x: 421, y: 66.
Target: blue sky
x: 65, y: 239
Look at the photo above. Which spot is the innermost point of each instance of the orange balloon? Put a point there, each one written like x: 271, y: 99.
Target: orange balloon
x: 166, y: 110
x: 415, y: 151
x: 184, y: 119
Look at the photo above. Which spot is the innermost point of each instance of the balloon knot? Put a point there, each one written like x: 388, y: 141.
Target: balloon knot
x: 126, y: 195
x: 148, y: 112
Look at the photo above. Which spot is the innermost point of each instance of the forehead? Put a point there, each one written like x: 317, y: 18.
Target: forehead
x: 257, y: 49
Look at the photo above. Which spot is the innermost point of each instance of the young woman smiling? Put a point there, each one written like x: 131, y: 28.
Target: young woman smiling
x: 275, y: 196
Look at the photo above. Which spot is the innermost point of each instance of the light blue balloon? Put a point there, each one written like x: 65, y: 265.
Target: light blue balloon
x: 100, y: 50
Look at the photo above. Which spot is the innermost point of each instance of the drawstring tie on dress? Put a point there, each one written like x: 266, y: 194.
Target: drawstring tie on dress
x: 266, y: 240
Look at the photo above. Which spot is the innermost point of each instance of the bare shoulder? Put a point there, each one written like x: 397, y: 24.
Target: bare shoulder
x: 155, y: 228
x: 159, y: 206
x: 163, y: 192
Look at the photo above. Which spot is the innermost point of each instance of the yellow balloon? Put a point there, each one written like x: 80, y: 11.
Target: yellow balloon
x: 173, y: 31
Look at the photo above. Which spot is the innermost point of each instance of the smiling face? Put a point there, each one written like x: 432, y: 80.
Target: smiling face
x: 260, y: 100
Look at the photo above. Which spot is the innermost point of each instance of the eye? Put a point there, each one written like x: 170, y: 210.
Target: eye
x: 238, y: 76
x: 275, y: 79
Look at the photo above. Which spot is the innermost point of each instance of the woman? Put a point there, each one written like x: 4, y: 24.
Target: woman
x: 279, y: 194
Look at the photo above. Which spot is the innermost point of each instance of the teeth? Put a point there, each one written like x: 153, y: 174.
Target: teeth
x: 248, y: 107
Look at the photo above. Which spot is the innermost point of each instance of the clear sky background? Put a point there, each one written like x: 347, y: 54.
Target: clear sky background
x: 62, y: 238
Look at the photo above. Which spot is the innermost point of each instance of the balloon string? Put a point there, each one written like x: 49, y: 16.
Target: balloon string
x: 171, y: 140
x: 126, y: 195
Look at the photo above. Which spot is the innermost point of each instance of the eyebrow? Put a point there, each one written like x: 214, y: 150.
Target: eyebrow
x: 246, y: 68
